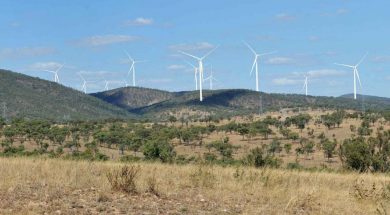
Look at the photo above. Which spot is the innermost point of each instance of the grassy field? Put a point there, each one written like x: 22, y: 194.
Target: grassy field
x: 46, y: 186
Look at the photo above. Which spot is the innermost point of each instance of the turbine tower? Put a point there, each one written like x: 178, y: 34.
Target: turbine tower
x: 355, y: 74
x: 305, y: 85
x: 195, y: 74
x: 211, y: 78
x: 55, y: 72
x: 256, y: 63
x: 132, y: 67
x: 200, y: 69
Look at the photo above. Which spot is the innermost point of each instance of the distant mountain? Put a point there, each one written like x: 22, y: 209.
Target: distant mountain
x: 157, y: 103
x: 133, y: 97
x: 25, y: 96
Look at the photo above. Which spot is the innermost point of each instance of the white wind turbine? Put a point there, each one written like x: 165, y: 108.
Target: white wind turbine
x: 200, y: 69
x: 195, y: 74
x: 355, y: 74
x: 84, y: 85
x: 55, y: 72
x: 211, y: 78
x: 106, y: 84
x: 305, y: 84
x: 256, y: 63
x: 132, y: 67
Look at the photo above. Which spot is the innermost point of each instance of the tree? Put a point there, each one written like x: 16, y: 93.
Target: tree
x: 275, y: 147
x: 356, y: 154
x: 159, y: 150
x: 329, y: 148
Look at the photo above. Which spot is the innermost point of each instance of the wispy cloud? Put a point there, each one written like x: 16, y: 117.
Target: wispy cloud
x: 158, y: 80
x: 381, y: 59
x: 388, y: 77
x: 176, y: 67
x: 285, y: 17
x: 192, y: 47
x: 140, y: 21
x: 313, y: 38
x: 102, y: 40
x: 40, y: 66
x: 340, y: 11
x: 280, y: 61
x: 26, y: 52
x: 319, y: 73
x: 285, y: 81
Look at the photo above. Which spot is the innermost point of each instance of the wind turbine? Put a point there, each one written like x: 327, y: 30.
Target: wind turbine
x: 106, y: 86
x: 132, y: 67
x: 305, y: 85
x: 200, y: 69
x: 125, y: 82
x: 195, y: 74
x: 211, y: 78
x: 84, y: 85
x: 55, y: 72
x: 355, y: 74
x: 256, y: 63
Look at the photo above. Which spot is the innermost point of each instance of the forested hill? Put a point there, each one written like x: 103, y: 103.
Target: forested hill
x: 28, y: 97
x: 235, y: 101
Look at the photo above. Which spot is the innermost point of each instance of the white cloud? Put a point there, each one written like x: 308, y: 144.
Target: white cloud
x: 101, y: 40
x: 45, y: 66
x: 176, y: 67
x: 286, y: 81
x: 285, y: 17
x: 325, y: 72
x: 140, y: 21
x: 388, y: 78
x: 280, y: 61
x: 25, y: 52
x: 192, y: 47
x: 381, y: 59
x: 320, y: 73
x: 341, y: 11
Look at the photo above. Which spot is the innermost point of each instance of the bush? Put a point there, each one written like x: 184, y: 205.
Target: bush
x: 159, y: 150
x: 124, y: 179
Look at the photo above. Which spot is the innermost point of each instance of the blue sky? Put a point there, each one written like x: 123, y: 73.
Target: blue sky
x: 310, y: 36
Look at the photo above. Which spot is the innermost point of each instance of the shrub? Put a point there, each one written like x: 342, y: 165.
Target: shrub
x: 124, y: 179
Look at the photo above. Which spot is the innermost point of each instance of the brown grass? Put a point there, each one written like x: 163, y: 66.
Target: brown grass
x: 36, y: 186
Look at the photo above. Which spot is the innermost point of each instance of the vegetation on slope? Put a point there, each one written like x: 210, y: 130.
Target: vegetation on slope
x: 156, y: 103
x: 34, y: 98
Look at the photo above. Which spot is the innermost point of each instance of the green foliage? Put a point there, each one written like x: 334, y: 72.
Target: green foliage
x: 257, y: 158
x: 159, y: 150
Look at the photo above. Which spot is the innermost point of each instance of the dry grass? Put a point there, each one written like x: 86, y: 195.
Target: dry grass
x: 35, y: 186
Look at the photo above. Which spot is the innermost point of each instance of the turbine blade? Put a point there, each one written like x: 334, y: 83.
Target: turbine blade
x: 128, y: 55
x: 60, y: 67
x: 185, y: 53
x: 249, y: 47
x: 361, y: 60
x: 192, y: 65
x: 208, y: 53
x: 268, y: 53
x: 340, y: 64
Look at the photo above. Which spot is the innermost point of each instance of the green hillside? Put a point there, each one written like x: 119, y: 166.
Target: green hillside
x: 153, y: 103
x: 28, y: 97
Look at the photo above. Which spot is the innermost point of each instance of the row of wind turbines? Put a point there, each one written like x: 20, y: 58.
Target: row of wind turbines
x: 199, y: 72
